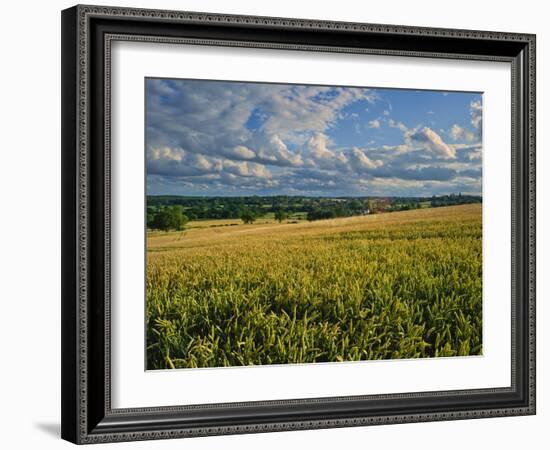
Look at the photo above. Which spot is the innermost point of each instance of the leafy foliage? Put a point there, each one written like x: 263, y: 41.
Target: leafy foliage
x: 281, y: 215
x: 316, y: 208
x: 167, y: 218
x: 247, y: 216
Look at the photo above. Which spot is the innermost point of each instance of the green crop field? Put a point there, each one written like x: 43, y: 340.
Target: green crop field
x: 394, y: 285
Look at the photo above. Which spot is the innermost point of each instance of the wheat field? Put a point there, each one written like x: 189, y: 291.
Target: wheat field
x: 386, y: 286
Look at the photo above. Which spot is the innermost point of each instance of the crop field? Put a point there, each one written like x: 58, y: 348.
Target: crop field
x: 384, y: 286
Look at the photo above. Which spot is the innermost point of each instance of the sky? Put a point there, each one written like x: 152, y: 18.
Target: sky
x: 225, y: 138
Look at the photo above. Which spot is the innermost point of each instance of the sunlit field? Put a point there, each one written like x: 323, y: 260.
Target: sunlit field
x: 395, y: 285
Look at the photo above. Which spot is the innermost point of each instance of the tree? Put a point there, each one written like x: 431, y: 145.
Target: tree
x: 169, y: 218
x: 356, y: 206
x: 281, y: 215
x: 370, y: 206
x: 320, y: 214
x: 247, y: 216
x: 150, y: 216
x: 178, y: 218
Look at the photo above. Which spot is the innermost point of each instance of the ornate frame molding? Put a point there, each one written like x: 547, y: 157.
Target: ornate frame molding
x: 80, y: 418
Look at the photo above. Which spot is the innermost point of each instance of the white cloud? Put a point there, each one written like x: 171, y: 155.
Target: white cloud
x: 474, y: 155
x: 248, y: 136
x: 392, y: 123
x: 397, y: 149
x: 166, y: 153
x: 259, y: 170
x: 176, y: 161
x: 243, y: 152
x: 318, y: 147
x: 459, y: 133
x: 274, y: 150
x: 246, y: 169
x: 299, y: 109
x: 476, y: 113
x: 362, y: 161
x: 432, y: 141
x: 212, y: 118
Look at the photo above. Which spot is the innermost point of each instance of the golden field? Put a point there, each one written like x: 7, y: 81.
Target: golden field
x: 394, y: 285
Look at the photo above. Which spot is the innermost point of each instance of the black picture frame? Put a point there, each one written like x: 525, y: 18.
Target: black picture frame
x: 87, y: 32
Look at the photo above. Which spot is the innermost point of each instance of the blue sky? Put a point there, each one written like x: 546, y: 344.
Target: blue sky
x: 231, y: 138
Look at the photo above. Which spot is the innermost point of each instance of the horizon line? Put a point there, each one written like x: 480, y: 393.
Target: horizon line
x: 320, y: 196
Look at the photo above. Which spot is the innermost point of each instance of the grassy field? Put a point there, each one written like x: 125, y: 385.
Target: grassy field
x: 396, y: 285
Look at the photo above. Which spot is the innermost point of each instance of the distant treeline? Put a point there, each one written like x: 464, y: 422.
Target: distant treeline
x: 287, y: 207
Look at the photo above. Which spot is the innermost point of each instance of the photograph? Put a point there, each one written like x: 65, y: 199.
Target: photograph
x: 282, y: 220
x: 296, y: 224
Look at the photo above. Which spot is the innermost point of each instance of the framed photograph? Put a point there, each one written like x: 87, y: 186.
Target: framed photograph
x: 279, y: 224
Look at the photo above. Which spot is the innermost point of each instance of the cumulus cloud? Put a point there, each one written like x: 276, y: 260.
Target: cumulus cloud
x: 472, y: 154
x: 318, y: 146
x: 212, y: 118
x: 321, y: 156
x: 393, y: 124
x: 246, y: 169
x: 167, y: 161
x: 459, y: 133
x: 298, y: 109
x: 250, y: 137
x: 360, y: 160
x: 432, y: 141
x: 177, y: 162
x: 476, y: 113
x: 272, y: 150
x: 240, y: 151
x: 468, y: 154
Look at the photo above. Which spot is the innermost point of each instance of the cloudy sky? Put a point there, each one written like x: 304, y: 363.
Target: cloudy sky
x: 233, y: 138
